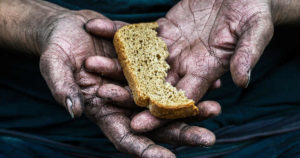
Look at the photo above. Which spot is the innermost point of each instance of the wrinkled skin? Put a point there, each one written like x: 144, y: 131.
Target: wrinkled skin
x: 206, y: 38
x: 68, y: 46
x: 69, y: 52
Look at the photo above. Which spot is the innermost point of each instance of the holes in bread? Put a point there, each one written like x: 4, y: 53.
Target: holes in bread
x: 158, y: 56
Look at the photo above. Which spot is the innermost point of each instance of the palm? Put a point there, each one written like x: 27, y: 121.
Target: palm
x: 69, y: 45
x: 69, y: 40
x: 202, y: 36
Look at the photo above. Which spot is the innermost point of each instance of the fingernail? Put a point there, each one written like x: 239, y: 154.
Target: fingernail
x: 249, y: 76
x: 70, y: 105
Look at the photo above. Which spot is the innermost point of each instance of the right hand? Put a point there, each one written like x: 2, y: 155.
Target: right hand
x: 206, y: 38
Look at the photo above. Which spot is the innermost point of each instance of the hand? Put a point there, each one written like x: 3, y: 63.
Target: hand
x: 64, y: 51
x: 206, y: 39
x: 69, y: 52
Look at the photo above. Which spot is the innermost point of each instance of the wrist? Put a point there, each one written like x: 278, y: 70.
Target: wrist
x: 25, y: 24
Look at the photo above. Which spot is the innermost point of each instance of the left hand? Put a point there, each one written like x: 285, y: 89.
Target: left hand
x: 68, y: 50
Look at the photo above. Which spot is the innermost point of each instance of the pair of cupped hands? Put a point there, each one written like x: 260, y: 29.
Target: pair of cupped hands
x: 205, y: 38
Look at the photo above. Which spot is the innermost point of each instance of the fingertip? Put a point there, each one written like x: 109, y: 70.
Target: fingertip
x: 107, y: 67
x: 119, y: 24
x: 208, y: 138
x: 74, y: 105
x: 145, y: 122
x: 217, y: 84
x: 251, y: 45
x: 172, y: 78
x: 101, y: 27
x: 139, y: 123
x: 197, y: 136
x: 157, y: 151
x: 135, y: 126
x: 116, y: 94
x: 62, y: 83
x: 92, y: 63
x: 193, y: 86
x: 69, y: 105
x: 162, y: 21
x: 113, y: 92
x: 240, y: 73
x: 209, y: 109
x: 249, y: 77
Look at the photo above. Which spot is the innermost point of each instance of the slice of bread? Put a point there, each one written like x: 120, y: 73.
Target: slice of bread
x: 143, y: 58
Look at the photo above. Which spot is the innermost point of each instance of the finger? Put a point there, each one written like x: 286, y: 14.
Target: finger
x: 58, y: 74
x: 117, y: 95
x: 145, y: 122
x: 208, y: 109
x: 198, y: 77
x: 104, y: 66
x: 103, y: 27
x: 217, y: 84
x: 115, y: 125
x: 108, y: 49
x: 119, y: 24
x: 172, y: 77
x: 85, y: 79
x: 249, y: 48
x: 193, y: 86
x: 168, y: 31
x: 176, y: 49
x: 179, y: 133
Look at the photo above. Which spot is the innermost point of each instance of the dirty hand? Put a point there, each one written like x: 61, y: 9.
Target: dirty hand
x: 206, y: 38
x: 68, y: 51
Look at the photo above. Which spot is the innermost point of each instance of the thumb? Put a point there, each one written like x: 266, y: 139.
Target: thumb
x: 103, y: 27
x: 249, y: 48
x: 59, y: 77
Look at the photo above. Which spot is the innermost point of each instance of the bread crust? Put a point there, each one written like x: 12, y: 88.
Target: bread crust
x: 161, y: 111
